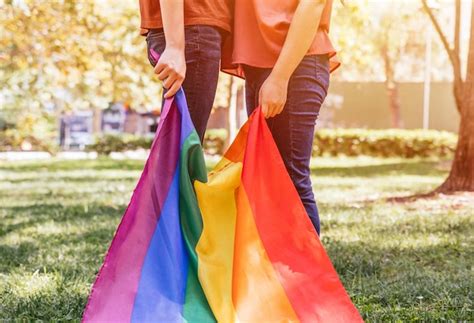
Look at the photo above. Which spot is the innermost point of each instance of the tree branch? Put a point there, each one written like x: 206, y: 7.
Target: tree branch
x: 454, y: 56
x: 437, y: 26
x: 457, y: 28
x: 470, y: 57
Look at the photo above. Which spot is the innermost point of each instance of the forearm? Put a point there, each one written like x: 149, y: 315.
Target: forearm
x: 171, y: 67
x: 172, y: 15
x: 301, y: 34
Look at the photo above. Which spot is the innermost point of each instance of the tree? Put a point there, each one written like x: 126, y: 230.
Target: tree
x: 391, y: 45
x: 380, y: 41
x: 73, y: 54
x: 461, y: 176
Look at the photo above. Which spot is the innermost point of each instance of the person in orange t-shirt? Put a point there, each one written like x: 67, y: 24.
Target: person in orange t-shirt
x: 284, y: 51
x: 188, y: 36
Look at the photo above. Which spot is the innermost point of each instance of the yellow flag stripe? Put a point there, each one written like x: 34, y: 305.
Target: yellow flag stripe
x: 215, y: 247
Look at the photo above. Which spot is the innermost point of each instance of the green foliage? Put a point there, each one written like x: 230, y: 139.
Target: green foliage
x: 384, y: 143
x: 400, y: 262
x: 104, y: 145
x: 32, y: 131
x: 214, y: 142
x: 328, y: 142
x: 73, y: 55
x: 14, y: 140
x: 365, y: 142
x: 76, y: 54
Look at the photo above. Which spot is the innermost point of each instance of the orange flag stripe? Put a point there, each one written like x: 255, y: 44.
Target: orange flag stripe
x: 257, y: 292
x: 304, y: 269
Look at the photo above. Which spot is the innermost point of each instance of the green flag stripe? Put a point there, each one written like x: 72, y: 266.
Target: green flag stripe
x: 193, y: 167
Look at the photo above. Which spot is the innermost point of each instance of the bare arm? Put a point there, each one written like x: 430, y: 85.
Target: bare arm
x: 301, y: 33
x: 171, y: 67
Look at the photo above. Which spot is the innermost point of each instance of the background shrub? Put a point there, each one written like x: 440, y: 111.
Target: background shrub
x: 14, y: 140
x: 368, y: 142
x: 328, y: 142
x: 106, y: 144
x: 214, y: 142
x: 384, y: 143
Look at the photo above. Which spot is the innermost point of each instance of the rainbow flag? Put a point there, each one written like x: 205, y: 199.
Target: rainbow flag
x: 236, y: 246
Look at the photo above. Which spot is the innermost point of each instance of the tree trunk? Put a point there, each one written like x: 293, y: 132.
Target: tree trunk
x: 391, y: 87
x: 461, y: 177
x: 230, y: 113
x: 394, y: 104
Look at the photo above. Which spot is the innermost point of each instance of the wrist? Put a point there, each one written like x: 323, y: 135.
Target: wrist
x: 177, y: 50
x: 279, y: 76
x: 175, y: 46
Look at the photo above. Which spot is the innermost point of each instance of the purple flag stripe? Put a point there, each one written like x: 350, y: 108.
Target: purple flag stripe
x: 114, y: 291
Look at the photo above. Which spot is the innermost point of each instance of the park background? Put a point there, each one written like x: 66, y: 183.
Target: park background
x: 79, y: 104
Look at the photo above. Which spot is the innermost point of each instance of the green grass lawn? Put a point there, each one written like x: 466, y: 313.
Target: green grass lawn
x: 399, y: 261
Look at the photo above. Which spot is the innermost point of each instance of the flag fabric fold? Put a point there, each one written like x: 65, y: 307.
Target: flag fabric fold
x: 232, y: 246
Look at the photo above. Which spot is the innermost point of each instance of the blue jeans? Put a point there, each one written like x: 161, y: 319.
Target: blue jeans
x: 203, y: 54
x: 293, y: 129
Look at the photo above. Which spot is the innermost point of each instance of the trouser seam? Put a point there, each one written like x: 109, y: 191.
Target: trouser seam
x: 290, y: 126
x: 198, y: 62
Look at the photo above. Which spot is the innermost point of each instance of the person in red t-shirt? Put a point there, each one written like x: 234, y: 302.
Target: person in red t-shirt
x: 188, y: 36
x: 285, y: 52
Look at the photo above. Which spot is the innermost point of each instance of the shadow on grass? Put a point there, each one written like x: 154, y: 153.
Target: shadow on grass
x: 55, y: 165
x: 77, y: 179
x: 409, y: 167
x: 29, y: 216
x: 62, y: 302
x: 457, y: 199
x: 421, y: 168
x: 70, y: 254
x: 16, y: 255
x: 56, y: 237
